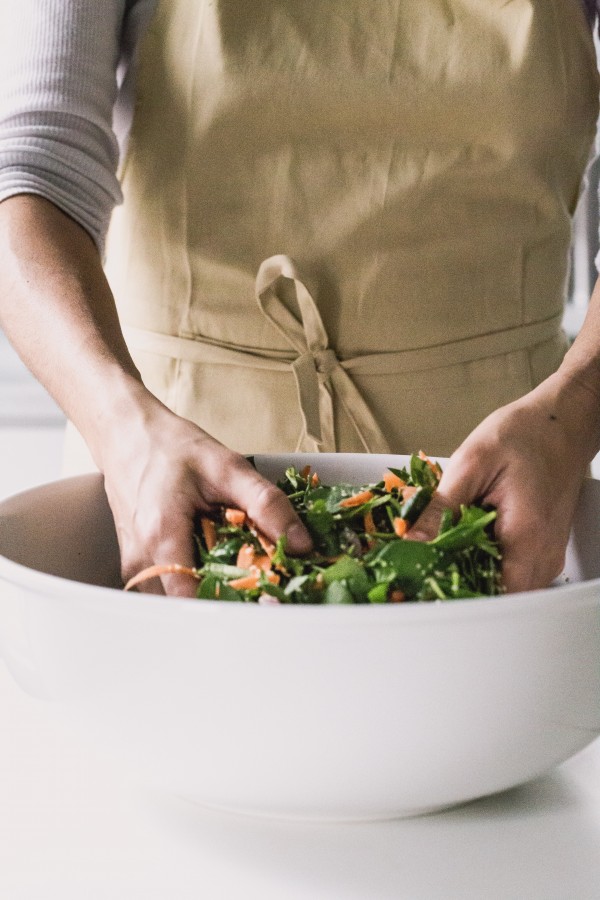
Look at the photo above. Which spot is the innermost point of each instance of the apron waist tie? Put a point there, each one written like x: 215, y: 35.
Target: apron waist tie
x: 317, y: 369
x: 319, y: 374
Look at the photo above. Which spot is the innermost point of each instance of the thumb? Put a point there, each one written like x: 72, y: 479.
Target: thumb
x: 457, y: 487
x: 268, y: 507
x: 427, y: 525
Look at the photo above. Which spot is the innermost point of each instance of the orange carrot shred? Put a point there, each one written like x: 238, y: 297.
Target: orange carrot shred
x: 158, y: 570
x: 235, y: 516
x: 248, y: 557
x: 314, y: 479
x: 252, y: 581
x: 262, y: 562
x: 209, y: 532
x: 305, y: 472
x: 397, y: 596
x: 435, y: 467
x: 390, y: 480
x: 245, y: 557
x: 369, y: 522
x: 400, y: 526
x: 267, y: 545
x: 246, y: 583
x: 357, y: 499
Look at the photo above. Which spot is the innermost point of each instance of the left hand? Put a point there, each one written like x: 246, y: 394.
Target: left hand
x: 527, y: 459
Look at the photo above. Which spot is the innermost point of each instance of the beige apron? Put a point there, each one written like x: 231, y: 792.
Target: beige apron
x: 419, y: 160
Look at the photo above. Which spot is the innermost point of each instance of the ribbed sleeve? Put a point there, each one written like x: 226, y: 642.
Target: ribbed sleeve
x: 58, y: 85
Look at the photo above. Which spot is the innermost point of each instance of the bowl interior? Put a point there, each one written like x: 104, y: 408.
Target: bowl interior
x: 66, y: 528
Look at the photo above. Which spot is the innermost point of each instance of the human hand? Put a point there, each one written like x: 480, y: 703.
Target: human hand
x: 164, y: 473
x: 528, y: 460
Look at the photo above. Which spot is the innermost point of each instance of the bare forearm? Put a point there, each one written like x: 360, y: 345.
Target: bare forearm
x: 57, y: 309
x: 583, y: 359
x: 578, y: 378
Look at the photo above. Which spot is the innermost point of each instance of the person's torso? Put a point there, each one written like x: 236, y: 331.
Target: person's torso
x: 419, y: 159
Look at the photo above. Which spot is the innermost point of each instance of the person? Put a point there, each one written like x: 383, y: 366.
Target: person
x: 401, y: 176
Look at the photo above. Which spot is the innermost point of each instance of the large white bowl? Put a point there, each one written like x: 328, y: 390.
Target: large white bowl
x: 314, y: 712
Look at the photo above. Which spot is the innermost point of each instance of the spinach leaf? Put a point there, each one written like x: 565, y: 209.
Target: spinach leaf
x: 338, y: 592
x: 407, y: 563
x: 422, y: 474
x: 213, y: 588
x: 469, y: 530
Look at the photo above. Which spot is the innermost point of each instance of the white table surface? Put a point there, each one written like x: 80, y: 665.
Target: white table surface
x: 75, y: 826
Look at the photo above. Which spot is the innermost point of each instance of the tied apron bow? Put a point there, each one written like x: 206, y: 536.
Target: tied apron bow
x: 320, y: 377
x: 318, y: 374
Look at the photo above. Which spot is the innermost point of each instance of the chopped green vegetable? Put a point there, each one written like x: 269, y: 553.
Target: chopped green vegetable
x: 362, y: 547
x: 356, y: 562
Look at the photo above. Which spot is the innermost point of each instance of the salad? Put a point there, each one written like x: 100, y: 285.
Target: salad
x: 362, y: 550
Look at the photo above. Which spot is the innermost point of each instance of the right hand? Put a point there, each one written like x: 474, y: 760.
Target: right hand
x: 161, y: 473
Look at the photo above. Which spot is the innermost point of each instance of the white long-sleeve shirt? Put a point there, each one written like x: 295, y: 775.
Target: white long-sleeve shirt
x: 66, y: 100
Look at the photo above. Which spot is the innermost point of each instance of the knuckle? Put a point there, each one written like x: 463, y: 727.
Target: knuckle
x: 131, y: 564
x: 556, y: 563
x: 152, y: 527
x: 264, y: 497
x: 217, y: 469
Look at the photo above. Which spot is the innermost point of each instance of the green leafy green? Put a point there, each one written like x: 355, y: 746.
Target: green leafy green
x: 357, y: 557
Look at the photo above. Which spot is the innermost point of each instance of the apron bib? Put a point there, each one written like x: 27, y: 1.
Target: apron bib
x: 407, y: 169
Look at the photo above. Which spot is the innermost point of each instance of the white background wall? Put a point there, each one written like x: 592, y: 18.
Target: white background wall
x: 31, y: 427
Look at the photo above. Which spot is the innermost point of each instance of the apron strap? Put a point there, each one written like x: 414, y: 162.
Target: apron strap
x: 317, y: 371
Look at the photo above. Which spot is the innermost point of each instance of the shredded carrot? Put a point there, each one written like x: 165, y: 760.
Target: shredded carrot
x: 251, y: 581
x: 392, y: 481
x: 314, y: 480
x: 246, y: 583
x: 435, y: 467
x: 369, y: 522
x: 235, y: 516
x: 400, y: 526
x: 160, y: 569
x: 357, y: 499
x: 305, y: 472
x: 245, y: 557
x: 209, y: 532
x: 397, y: 596
x: 248, y: 557
x: 267, y: 545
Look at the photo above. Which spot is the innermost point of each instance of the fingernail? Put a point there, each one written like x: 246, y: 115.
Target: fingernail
x: 298, y: 538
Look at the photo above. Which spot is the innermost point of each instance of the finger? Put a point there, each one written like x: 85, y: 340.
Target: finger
x: 531, y: 557
x: 524, y: 570
x: 166, y: 541
x: 427, y: 525
x: 458, y: 485
x: 267, y: 506
x: 173, y: 543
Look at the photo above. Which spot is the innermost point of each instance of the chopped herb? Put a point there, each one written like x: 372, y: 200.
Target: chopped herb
x: 357, y: 554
